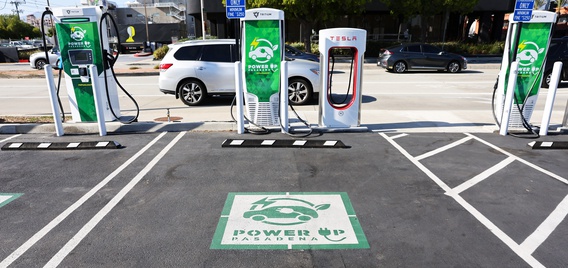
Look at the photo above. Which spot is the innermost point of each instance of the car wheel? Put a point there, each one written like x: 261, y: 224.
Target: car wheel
x: 57, y: 64
x: 40, y: 63
x: 304, y: 217
x: 454, y: 67
x: 300, y: 92
x: 400, y: 67
x: 192, y: 92
x: 258, y: 217
x: 546, y: 79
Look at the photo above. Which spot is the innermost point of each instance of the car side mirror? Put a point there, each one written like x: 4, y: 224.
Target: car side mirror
x: 442, y: 53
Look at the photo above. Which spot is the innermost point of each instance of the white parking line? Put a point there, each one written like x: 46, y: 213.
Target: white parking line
x: 442, y: 149
x: 482, y: 176
x: 520, y: 251
x: 81, y: 234
x: 546, y: 228
x: 557, y: 177
x: 11, y: 137
x: 46, y: 229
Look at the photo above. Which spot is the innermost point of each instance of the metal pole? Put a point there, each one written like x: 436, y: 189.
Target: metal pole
x: 203, y: 20
x: 146, y: 21
x: 547, y: 7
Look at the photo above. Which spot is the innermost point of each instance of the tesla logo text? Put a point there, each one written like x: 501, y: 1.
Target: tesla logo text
x: 343, y: 38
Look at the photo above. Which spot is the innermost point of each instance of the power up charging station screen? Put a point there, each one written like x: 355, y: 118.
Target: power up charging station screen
x: 81, y: 56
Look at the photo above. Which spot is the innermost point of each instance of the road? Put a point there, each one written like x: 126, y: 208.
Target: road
x: 390, y: 101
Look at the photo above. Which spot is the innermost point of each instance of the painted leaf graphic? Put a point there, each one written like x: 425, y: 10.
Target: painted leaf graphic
x: 322, y: 206
x: 540, y: 50
x: 275, y: 47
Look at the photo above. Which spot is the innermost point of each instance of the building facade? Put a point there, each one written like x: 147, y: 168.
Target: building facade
x: 379, y: 23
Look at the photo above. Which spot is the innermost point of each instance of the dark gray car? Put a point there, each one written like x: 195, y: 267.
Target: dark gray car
x: 406, y: 57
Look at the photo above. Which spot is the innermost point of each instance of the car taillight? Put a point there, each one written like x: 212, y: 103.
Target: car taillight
x: 165, y: 66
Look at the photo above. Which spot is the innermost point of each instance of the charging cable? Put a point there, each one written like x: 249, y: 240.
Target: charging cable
x: 108, y: 61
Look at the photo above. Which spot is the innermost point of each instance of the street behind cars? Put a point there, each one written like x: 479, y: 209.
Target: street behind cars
x: 195, y: 70
x: 402, y: 58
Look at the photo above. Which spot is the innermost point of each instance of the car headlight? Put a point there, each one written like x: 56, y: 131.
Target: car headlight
x: 315, y: 71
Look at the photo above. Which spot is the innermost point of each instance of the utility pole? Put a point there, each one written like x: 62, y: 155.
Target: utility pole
x: 203, y: 20
x: 17, y: 11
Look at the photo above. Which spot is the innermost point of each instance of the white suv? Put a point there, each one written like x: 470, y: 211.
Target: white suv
x: 195, y: 70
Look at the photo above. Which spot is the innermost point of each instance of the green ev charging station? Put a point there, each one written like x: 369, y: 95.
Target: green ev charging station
x: 79, y: 41
x: 522, y: 68
x: 264, y: 68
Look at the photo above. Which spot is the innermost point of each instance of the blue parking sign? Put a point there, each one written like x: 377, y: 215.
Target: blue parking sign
x: 236, y: 9
x: 523, y: 10
x: 235, y: 3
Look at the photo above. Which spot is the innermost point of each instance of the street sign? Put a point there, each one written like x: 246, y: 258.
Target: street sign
x: 236, y: 9
x: 523, y: 10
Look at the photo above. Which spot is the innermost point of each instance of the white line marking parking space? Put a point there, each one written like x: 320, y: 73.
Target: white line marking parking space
x: 55, y: 222
x: 9, y: 138
x: 81, y: 234
x: 533, y: 241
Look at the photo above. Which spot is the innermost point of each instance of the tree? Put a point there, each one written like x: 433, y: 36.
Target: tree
x: 311, y: 12
x: 426, y: 8
x: 11, y: 27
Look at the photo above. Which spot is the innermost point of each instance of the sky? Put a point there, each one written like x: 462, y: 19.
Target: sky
x: 38, y: 6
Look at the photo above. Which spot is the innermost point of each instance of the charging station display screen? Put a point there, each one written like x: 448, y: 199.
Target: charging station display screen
x: 81, y: 57
x: 262, y: 53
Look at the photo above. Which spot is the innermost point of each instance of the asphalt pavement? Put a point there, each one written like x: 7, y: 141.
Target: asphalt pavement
x: 200, y: 195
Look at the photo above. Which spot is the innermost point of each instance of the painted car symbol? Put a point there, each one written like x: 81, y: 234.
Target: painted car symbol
x: 77, y: 33
x: 528, y: 55
x: 283, y: 211
x: 261, y: 52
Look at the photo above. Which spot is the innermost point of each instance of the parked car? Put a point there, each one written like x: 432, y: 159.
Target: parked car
x: 21, y: 45
x: 38, y: 60
x: 557, y: 51
x: 406, y: 57
x: 294, y: 53
x: 196, y: 70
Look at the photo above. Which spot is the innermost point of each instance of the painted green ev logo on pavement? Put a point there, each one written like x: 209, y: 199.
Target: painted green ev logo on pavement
x: 288, y: 221
x: 283, y: 211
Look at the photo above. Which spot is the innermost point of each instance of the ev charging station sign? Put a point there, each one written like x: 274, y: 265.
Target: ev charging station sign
x: 262, y: 52
x: 288, y: 221
x: 530, y: 52
x: 75, y: 38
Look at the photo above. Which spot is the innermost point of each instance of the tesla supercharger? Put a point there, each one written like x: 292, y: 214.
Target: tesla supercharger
x: 262, y: 56
x: 341, y: 107
x: 526, y: 44
x: 77, y: 31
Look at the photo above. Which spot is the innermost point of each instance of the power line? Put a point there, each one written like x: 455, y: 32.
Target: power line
x: 17, y: 11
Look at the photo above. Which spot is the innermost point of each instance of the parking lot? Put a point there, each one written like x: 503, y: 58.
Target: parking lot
x: 169, y: 198
x: 430, y: 184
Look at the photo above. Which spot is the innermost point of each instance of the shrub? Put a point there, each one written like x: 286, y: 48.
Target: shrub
x: 25, y: 54
x: 160, y: 52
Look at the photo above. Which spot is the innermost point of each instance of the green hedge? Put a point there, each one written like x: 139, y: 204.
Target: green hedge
x: 374, y: 48
x: 25, y: 54
x: 161, y: 52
